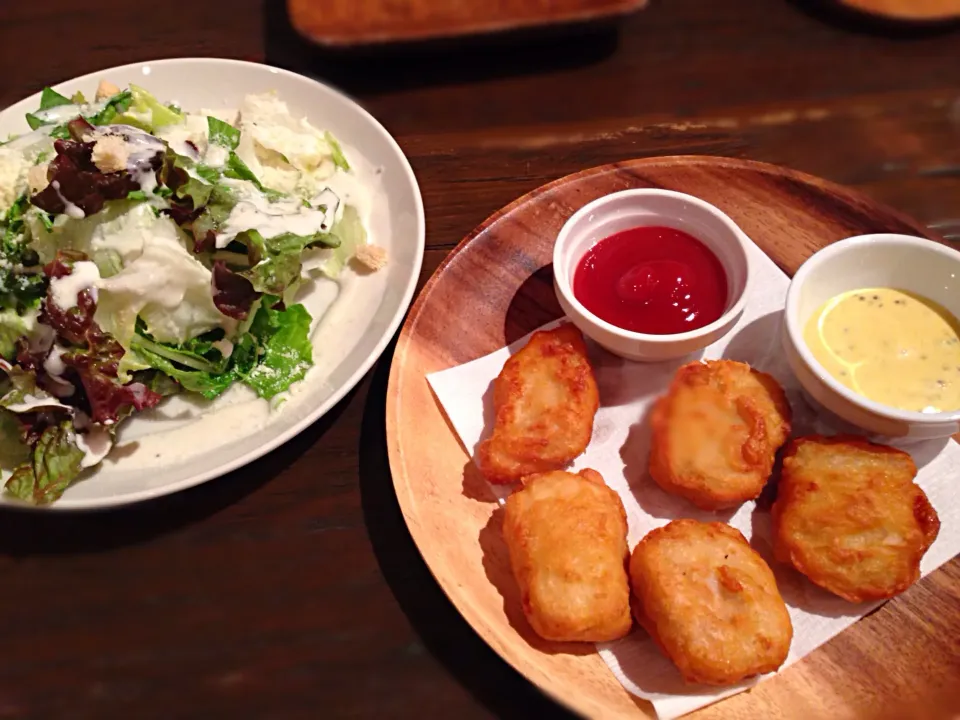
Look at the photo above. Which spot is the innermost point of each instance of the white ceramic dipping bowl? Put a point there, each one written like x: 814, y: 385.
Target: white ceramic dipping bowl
x: 651, y: 208
x: 880, y: 260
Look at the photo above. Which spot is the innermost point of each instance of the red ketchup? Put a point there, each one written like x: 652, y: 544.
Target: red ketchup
x: 653, y: 280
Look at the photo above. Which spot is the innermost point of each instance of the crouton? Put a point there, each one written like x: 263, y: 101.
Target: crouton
x: 110, y: 154
x: 106, y: 90
x: 371, y: 257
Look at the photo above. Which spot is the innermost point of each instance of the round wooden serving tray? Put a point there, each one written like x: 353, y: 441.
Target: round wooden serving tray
x: 914, y: 11
x: 495, y: 287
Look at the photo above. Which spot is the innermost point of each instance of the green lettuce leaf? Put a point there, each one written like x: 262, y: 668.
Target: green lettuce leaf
x: 196, y: 364
x: 175, y: 170
x: 13, y: 451
x: 350, y: 235
x: 146, y: 112
x: 18, y: 289
x: 276, y: 262
x: 219, y: 202
x: 159, y: 382
x: 12, y: 328
x: 190, y: 194
x: 45, y: 219
x: 196, y: 354
x: 130, y: 364
x: 110, y: 113
x: 271, y: 352
x: 208, y: 384
x: 210, y: 174
x: 238, y: 170
x: 12, y: 225
x: 285, y: 351
x: 179, y: 169
x: 19, y: 388
x: 339, y: 159
x: 227, y: 136
x: 235, y: 169
x: 117, y: 104
x: 50, y: 98
x: 197, y: 190
x: 56, y: 463
x: 223, y: 134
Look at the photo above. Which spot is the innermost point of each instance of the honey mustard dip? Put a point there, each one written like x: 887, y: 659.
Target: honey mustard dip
x: 891, y: 346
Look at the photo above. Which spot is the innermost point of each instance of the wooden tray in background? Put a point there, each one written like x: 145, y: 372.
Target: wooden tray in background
x: 923, y: 11
x: 495, y: 287
x: 346, y: 23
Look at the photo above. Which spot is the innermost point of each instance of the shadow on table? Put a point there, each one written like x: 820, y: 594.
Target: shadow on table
x: 533, y: 305
x: 500, y: 688
x: 386, y: 68
x: 28, y: 532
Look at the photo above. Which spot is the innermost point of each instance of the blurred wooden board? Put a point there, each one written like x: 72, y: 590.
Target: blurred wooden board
x: 908, y: 10
x: 495, y: 287
x: 363, y: 22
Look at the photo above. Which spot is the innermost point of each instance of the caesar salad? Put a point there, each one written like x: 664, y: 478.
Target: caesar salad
x: 146, y: 251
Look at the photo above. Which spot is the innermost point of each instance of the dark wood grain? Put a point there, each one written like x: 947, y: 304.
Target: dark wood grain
x: 292, y: 589
x: 789, y: 215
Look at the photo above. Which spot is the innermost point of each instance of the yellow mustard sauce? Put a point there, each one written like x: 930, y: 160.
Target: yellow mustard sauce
x: 891, y: 346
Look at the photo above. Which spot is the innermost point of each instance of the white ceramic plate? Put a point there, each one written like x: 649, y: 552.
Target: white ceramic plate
x: 186, y: 441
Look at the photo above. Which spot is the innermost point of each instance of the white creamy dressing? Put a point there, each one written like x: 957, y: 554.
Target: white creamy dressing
x: 185, y: 148
x: 95, y: 443
x: 254, y: 211
x: 29, y: 403
x: 54, y: 363
x: 216, y: 155
x: 188, y: 138
x: 69, y: 208
x: 351, y: 190
x: 328, y: 202
x: 63, y: 113
x: 143, y: 149
x: 66, y: 290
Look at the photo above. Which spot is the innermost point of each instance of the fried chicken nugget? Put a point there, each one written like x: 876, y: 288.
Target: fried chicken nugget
x: 567, y: 538
x: 849, y: 516
x: 710, y: 602
x: 716, y: 433
x: 545, y: 398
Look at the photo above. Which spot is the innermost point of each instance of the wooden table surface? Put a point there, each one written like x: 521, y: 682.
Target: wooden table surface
x: 292, y: 588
